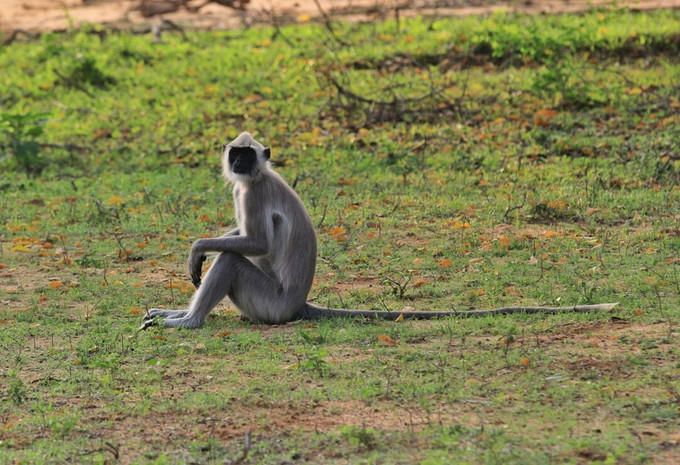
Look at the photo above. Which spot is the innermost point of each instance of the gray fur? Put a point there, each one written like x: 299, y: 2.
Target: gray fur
x: 266, y: 265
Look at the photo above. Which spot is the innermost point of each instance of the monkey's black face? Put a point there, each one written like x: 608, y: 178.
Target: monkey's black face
x: 242, y: 160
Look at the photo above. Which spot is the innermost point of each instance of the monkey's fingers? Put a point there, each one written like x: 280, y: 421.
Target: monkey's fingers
x: 196, y: 269
x: 195, y: 274
x: 147, y: 324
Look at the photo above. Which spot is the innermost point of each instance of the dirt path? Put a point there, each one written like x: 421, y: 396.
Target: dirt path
x: 42, y: 15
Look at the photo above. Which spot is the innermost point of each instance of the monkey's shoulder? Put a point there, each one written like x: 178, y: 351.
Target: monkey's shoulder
x: 270, y: 188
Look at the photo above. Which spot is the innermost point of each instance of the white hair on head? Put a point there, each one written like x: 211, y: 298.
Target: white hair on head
x: 246, y: 140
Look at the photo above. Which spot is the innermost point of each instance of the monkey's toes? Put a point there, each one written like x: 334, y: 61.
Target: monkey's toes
x: 147, y: 324
x: 151, y: 314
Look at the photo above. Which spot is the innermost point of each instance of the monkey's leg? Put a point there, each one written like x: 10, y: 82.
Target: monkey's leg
x: 258, y: 297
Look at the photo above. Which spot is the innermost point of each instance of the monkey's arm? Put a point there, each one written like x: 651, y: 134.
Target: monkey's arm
x: 233, y: 232
x: 196, y: 260
x: 243, y: 245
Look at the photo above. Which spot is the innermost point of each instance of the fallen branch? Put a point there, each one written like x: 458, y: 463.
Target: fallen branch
x: 73, y: 83
x: 515, y: 207
x: 328, y: 25
x: 16, y: 33
x: 239, y: 5
x: 273, y: 19
x: 427, y: 106
x: 67, y: 147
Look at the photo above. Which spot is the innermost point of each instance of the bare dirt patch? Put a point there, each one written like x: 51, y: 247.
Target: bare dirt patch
x: 44, y: 15
x: 165, y: 431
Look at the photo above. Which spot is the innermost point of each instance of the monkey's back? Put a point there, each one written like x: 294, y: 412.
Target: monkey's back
x: 291, y: 239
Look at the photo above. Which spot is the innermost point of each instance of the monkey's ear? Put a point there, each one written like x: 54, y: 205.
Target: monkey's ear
x: 267, y: 153
x: 224, y: 147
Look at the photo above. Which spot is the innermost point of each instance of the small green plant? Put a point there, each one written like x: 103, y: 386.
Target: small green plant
x: 552, y: 210
x: 17, y: 390
x: 360, y: 437
x: 314, y: 337
x: 565, y: 85
x: 62, y: 425
x: 85, y: 70
x: 19, y: 133
x: 312, y: 360
x: 398, y: 287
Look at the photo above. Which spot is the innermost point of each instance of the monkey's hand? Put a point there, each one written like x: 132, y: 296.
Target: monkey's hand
x: 196, y: 260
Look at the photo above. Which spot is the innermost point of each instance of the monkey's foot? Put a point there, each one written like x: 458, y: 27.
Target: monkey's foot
x: 172, y: 319
x: 182, y: 323
x: 154, y: 312
x: 147, y: 323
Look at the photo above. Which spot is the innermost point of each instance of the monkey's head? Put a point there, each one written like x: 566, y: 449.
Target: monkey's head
x: 244, y: 158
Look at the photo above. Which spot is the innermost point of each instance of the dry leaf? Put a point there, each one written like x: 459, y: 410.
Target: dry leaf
x: 445, y: 263
x: 419, y: 282
x: 471, y: 381
x: 115, y: 200
x: 385, y: 340
x: 543, y: 117
x: 336, y: 231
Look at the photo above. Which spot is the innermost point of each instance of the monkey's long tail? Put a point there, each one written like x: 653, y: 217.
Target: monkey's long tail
x: 312, y: 312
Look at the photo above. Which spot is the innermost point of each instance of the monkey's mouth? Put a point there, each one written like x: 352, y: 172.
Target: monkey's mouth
x: 240, y: 169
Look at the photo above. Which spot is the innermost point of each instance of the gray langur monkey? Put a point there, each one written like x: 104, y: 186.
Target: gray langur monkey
x: 266, y: 264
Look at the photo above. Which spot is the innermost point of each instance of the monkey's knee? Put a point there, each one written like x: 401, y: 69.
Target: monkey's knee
x: 225, y: 263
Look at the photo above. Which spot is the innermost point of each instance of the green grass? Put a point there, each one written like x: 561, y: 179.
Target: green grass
x: 447, y: 163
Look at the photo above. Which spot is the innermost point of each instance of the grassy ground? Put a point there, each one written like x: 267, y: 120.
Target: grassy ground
x: 447, y: 163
